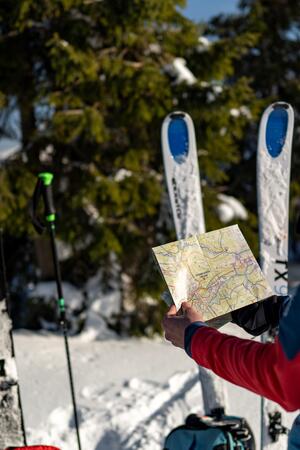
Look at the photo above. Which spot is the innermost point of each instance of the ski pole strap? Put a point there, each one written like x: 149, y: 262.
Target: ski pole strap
x: 43, y: 189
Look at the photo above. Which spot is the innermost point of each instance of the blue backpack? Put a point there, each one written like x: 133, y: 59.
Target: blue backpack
x: 209, y: 433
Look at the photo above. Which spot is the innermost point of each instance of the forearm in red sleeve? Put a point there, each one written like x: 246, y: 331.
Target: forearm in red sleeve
x: 261, y: 368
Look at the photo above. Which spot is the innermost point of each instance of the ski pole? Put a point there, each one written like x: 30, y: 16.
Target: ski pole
x: 43, y: 190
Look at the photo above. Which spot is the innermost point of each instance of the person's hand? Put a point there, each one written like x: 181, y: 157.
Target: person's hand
x: 175, y: 324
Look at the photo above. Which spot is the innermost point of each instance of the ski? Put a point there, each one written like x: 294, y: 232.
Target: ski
x: 183, y: 182
x: 273, y: 181
x: 182, y: 174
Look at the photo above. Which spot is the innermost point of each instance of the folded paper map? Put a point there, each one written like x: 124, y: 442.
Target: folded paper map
x: 216, y: 272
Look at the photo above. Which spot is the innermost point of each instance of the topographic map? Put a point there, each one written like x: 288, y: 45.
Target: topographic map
x: 216, y: 272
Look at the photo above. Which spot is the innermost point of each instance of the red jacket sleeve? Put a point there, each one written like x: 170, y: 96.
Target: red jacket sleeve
x: 260, y: 367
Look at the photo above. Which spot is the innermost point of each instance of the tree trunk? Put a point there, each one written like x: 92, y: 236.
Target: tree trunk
x: 27, y: 118
x: 12, y: 431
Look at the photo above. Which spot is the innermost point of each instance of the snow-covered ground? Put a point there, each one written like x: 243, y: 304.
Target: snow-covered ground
x: 131, y: 392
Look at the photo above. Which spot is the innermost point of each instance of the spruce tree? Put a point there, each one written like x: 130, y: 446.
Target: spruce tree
x: 273, y: 65
x: 92, y: 82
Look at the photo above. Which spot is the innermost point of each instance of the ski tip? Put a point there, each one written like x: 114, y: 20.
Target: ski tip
x: 281, y: 105
x: 276, y: 129
x: 177, y: 115
x: 178, y: 137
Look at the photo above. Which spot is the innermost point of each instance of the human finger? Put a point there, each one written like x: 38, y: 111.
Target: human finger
x: 168, y: 321
x: 186, y: 308
x: 172, y: 311
x: 185, y: 305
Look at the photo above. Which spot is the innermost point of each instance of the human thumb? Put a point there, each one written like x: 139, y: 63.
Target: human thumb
x: 185, y: 306
x: 172, y: 311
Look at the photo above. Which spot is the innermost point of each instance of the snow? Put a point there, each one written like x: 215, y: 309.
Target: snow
x: 181, y: 72
x: 210, y: 97
x: 245, y: 111
x: 46, y: 154
x: 234, y: 112
x: 95, y: 328
x: 204, y: 84
x: 93, y: 213
x: 122, y: 174
x: 103, y: 306
x: 64, y: 43
x: 11, y: 369
x: 8, y: 148
x: 64, y: 250
x: 217, y: 88
x: 241, y: 111
x: 203, y: 44
x: 107, y: 303
x: 10, y: 421
x: 101, y: 310
x: 48, y: 291
x: 230, y: 208
x: 155, y: 48
x: 130, y: 392
x: 204, y: 41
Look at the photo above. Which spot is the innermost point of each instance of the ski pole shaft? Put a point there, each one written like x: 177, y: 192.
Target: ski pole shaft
x: 61, y: 305
x: 46, y: 180
x: 61, y: 301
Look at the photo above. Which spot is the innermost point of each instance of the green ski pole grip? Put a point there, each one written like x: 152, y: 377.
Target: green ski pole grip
x: 46, y: 180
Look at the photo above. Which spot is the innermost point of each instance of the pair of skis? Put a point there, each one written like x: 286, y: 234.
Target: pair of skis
x: 273, y: 178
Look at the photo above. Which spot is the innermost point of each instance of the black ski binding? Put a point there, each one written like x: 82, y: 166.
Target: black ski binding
x: 275, y: 426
